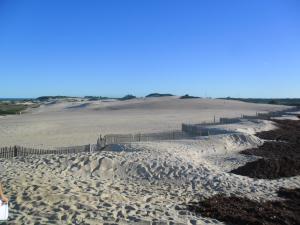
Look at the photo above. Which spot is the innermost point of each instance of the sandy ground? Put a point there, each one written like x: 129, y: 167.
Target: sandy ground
x: 62, y: 123
x: 137, y: 183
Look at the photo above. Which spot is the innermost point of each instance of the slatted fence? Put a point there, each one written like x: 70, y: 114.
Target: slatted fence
x: 15, y: 151
x: 205, y: 129
x: 187, y: 131
x: 145, y: 137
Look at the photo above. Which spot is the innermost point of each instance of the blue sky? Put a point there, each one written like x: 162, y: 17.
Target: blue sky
x: 214, y: 48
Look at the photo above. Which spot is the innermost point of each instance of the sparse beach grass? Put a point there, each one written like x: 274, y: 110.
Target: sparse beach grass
x: 8, y: 108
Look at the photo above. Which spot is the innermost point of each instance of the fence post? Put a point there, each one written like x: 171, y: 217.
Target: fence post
x: 15, y: 151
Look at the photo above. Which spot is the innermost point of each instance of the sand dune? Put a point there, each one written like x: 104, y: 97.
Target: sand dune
x: 137, y: 183
x: 62, y: 123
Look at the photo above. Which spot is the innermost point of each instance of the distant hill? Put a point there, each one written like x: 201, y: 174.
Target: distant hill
x: 95, y: 98
x: 14, y: 99
x: 127, y: 97
x: 90, y: 98
x: 158, y: 95
x: 273, y: 101
x: 47, y: 98
x: 188, y: 97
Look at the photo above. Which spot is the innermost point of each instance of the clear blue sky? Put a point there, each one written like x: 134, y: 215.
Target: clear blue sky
x: 242, y: 48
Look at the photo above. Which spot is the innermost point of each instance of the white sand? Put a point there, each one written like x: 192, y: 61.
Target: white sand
x: 63, y: 123
x: 138, y: 183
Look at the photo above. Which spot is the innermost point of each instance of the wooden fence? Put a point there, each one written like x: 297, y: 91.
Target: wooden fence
x: 205, y: 129
x: 187, y: 131
x: 269, y: 115
x: 127, y: 138
x: 202, y: 130
x: 15, y: 151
